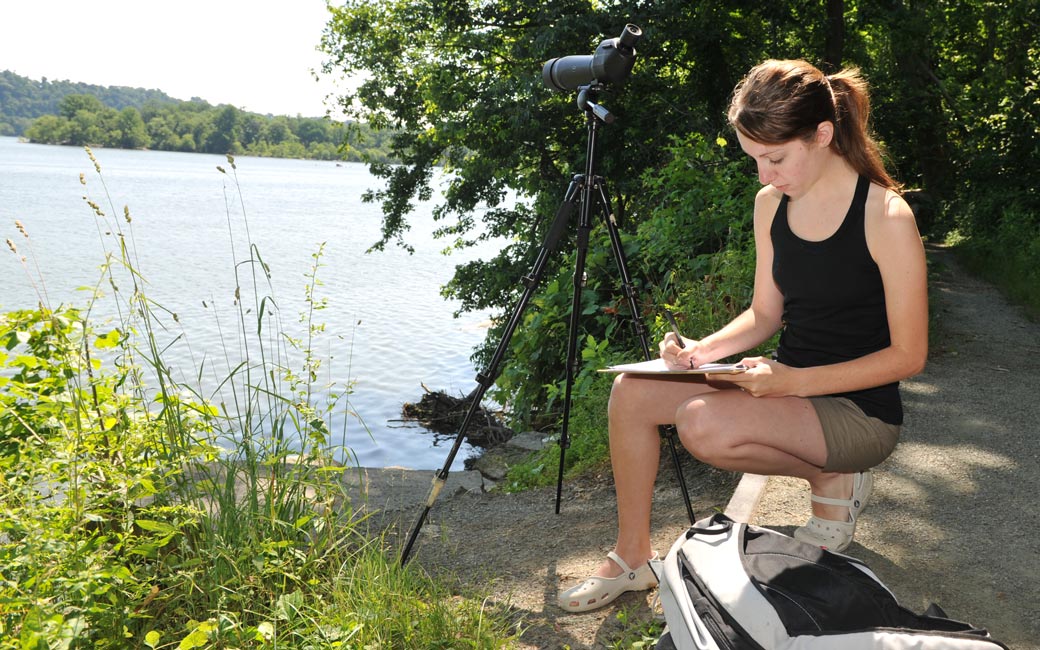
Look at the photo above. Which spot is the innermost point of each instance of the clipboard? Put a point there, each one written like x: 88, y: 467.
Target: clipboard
x: 659, y: 367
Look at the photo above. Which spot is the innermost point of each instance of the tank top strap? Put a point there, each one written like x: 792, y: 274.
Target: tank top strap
x: 859, y: 199
x: 856, y: 217
x: 862, y: 187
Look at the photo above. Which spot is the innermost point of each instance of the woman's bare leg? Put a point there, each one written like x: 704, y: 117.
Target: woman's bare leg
x: 725, y: 428
x: 637, y: 407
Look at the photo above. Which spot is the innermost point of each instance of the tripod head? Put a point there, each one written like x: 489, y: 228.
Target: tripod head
x: 585, y: 103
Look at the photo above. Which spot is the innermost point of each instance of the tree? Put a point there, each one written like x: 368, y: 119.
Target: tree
x: 224, y: 136
x: 250, y: 127
x: 277, y: 131
x: 85, y: 129
x: 834, y: 46
x: 462, y: 85
x: 311, y: 131
x: 161, y: 136
x: 71, y: 105
x: 49, y: 129
x: 133, y: 134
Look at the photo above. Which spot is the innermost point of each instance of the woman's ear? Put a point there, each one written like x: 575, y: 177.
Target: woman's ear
x: 824, y: 134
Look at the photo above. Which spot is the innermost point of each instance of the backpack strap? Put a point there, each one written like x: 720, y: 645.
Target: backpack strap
x: 717, y: 524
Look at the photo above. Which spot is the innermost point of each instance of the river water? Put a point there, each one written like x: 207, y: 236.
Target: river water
x: 386, y: 327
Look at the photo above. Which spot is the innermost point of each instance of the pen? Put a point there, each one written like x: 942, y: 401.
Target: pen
x: 675, y: 328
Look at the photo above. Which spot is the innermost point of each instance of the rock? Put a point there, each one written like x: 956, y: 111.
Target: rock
x: 393, y: 489
x: 530, y: 441
x: 494, y: 463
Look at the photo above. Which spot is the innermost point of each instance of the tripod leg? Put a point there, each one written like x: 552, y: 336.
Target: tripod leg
x: 667, y: 430
x: 670, y: 433
x: 584, y: 226
x: 485, y: 379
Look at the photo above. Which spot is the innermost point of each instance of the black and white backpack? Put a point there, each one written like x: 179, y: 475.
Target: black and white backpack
x: 726, y: 585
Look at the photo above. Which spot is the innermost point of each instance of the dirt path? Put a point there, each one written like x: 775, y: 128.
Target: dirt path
x: 953, y: 518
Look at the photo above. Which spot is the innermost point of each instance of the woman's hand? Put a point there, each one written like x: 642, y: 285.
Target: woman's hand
x: 763, y: 378
x: 689, y: 354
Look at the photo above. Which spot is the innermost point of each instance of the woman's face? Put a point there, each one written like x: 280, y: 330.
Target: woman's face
x: 791, y: 167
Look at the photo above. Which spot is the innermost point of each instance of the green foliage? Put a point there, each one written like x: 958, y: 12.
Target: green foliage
x: 140, y: 514
x: 638, y: 634
x: 588, y: 450
x: 956, y: 101
x: 533, y: 382
x: 35, y: 387
x: 462, y: 88
x: 696, y: 244
x: 22, y: 99
x: 959, y: 104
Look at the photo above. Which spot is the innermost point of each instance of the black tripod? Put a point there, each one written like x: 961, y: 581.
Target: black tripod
x: 582, y: 191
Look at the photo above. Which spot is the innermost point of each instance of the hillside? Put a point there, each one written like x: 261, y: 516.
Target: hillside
x: 22, y: 99
x: 79, y: 114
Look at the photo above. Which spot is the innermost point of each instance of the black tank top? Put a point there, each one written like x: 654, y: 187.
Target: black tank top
x: 834, y: 302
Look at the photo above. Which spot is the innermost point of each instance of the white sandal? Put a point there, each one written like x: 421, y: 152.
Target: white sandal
x: 837, y: 535
x: 595, y: 592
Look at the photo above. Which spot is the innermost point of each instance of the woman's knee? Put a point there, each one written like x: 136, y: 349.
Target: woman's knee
x: 626, y: 396
x: 696, y: 423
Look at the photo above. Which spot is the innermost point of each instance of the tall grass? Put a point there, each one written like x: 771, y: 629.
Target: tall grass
x: 143, y: 510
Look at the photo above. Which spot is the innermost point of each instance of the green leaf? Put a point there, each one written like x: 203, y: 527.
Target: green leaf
x: 160, y: 527
x: 196, y: 639
x: 26, y: 361
x: 109, y: 340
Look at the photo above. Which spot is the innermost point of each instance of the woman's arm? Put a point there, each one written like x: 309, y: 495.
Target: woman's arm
x: 895, y: 244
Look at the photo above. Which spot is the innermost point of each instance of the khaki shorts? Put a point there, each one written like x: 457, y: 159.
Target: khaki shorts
x: 855, y: 441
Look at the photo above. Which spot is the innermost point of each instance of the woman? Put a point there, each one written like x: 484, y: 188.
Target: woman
x: 840, y: 270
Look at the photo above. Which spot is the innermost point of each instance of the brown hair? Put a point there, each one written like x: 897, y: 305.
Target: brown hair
x: 779, y: 101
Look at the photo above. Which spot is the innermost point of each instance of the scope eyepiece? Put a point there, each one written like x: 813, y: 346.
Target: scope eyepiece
x: 629, y: 35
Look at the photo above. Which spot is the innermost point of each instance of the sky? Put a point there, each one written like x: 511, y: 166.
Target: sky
x: 254, y: 54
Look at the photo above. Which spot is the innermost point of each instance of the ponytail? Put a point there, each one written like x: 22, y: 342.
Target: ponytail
x: 852, y: 137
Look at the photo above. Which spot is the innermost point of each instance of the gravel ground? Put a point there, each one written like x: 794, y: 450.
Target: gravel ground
x: 952, y: 519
